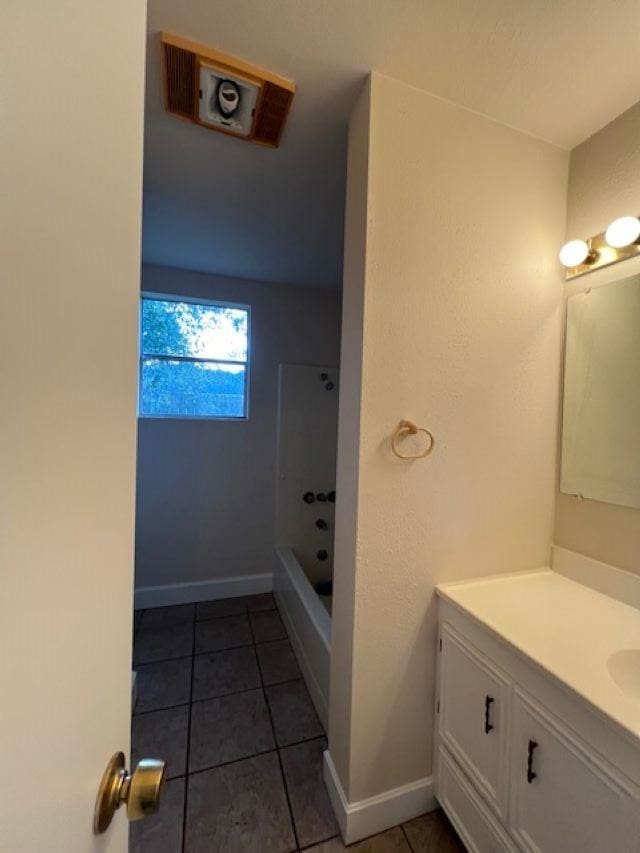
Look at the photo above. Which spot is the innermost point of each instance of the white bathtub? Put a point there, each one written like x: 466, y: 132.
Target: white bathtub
x: 308, y: 624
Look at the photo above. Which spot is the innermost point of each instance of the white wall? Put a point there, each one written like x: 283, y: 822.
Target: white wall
x: 207, y: 488
x: 452, y: 284
x: 604, y: 183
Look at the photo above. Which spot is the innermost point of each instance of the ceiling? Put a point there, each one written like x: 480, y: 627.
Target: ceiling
x: 558, y: 69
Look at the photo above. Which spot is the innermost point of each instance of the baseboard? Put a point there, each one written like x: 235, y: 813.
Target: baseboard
x: 375, y: 814
x: 315, y: 691
x: 186, y: 593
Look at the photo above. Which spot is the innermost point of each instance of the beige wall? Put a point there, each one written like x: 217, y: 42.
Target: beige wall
x: 206, y: 488
x: 459, y: 308
x: 604, y: 183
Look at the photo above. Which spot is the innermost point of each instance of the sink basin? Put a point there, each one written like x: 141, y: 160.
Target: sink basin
x: 624, y: 668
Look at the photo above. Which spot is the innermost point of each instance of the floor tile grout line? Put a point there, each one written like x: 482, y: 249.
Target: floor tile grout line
x: 316, y: 843
x: 232, y: 762
x: 253, y: 643
x: 252, y: 755
x: 188, y: 748
x: 245, y: 690
x: 260, y: 672
x: 282, y: 775
x: 219, y: 696
x: 246, y: 612
x: 284, y: 781
x: 407, y: 839
x: 161, y: 708
x: 161, y: 660
x: 304, y: 740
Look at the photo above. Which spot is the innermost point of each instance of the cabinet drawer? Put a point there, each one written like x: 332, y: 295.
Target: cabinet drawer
x: 473, y: 821
x: 473, y: 719
x: 564, y: 798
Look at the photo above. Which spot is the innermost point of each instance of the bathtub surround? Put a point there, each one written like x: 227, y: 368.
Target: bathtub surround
x: 307, y: 435
x: 205, y: 524
x: 307, y: 438
x: 452, y: 317
x: 604, y: 183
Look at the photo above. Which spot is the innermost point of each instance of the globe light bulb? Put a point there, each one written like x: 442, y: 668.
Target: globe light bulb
x: 623, y: 232
x: 573, y: 253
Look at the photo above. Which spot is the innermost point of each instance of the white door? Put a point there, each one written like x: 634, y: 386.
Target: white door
x: 71, y: 112
x: 564, y: 798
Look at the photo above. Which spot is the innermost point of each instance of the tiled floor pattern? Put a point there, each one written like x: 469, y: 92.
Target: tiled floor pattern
x: 222, y: 700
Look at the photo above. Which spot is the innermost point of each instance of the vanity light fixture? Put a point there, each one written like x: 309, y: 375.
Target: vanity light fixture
x: 574, y: 252
x: 623, y: 232
x: 619, y: 242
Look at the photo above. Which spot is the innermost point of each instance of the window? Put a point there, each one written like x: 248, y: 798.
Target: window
x: 193, y: 359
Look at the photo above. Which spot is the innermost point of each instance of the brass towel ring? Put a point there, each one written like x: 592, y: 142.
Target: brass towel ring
x: 405, y: 428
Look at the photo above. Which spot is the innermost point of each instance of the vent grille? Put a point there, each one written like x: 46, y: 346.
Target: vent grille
x: 186, y: 66
x: 181, y: 81
x: 272, y: 113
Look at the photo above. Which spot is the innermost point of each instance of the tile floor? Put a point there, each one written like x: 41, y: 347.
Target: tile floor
x: 222, y: 700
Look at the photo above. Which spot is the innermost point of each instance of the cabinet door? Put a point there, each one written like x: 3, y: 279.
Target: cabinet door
x: 473, y: 717
x: 565, y: 799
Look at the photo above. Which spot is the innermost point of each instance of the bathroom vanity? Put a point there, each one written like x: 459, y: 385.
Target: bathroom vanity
x: 538, y: 715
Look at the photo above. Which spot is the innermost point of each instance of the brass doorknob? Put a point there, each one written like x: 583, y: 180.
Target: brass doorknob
x: 140, y: 790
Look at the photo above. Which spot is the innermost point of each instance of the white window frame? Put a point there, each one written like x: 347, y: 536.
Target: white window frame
x: 194, y: 300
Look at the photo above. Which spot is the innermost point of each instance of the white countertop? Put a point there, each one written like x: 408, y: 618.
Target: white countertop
x: 566, y: 628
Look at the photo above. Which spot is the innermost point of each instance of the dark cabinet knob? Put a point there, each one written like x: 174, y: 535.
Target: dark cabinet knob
x: 322, y: 554
x: 308, y: 497
x: 321, y: 524
x: 329, y: 386
x: 331, y: 497
x: 321, y: 497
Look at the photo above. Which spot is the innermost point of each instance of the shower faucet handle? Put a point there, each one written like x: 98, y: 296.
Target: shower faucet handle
x: 321, y: 524
x: 321, y: 496
x: 308, y: 497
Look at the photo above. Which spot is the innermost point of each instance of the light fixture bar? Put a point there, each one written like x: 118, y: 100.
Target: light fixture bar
x: 601, y: 254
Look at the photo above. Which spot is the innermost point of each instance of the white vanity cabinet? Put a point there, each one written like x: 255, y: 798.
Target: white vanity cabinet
x: 521, y: 763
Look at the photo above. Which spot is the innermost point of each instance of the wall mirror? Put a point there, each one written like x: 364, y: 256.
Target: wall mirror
x: 601, y: 413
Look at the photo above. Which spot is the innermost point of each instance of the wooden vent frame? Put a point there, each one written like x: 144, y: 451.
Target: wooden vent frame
x: 182, y: 60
